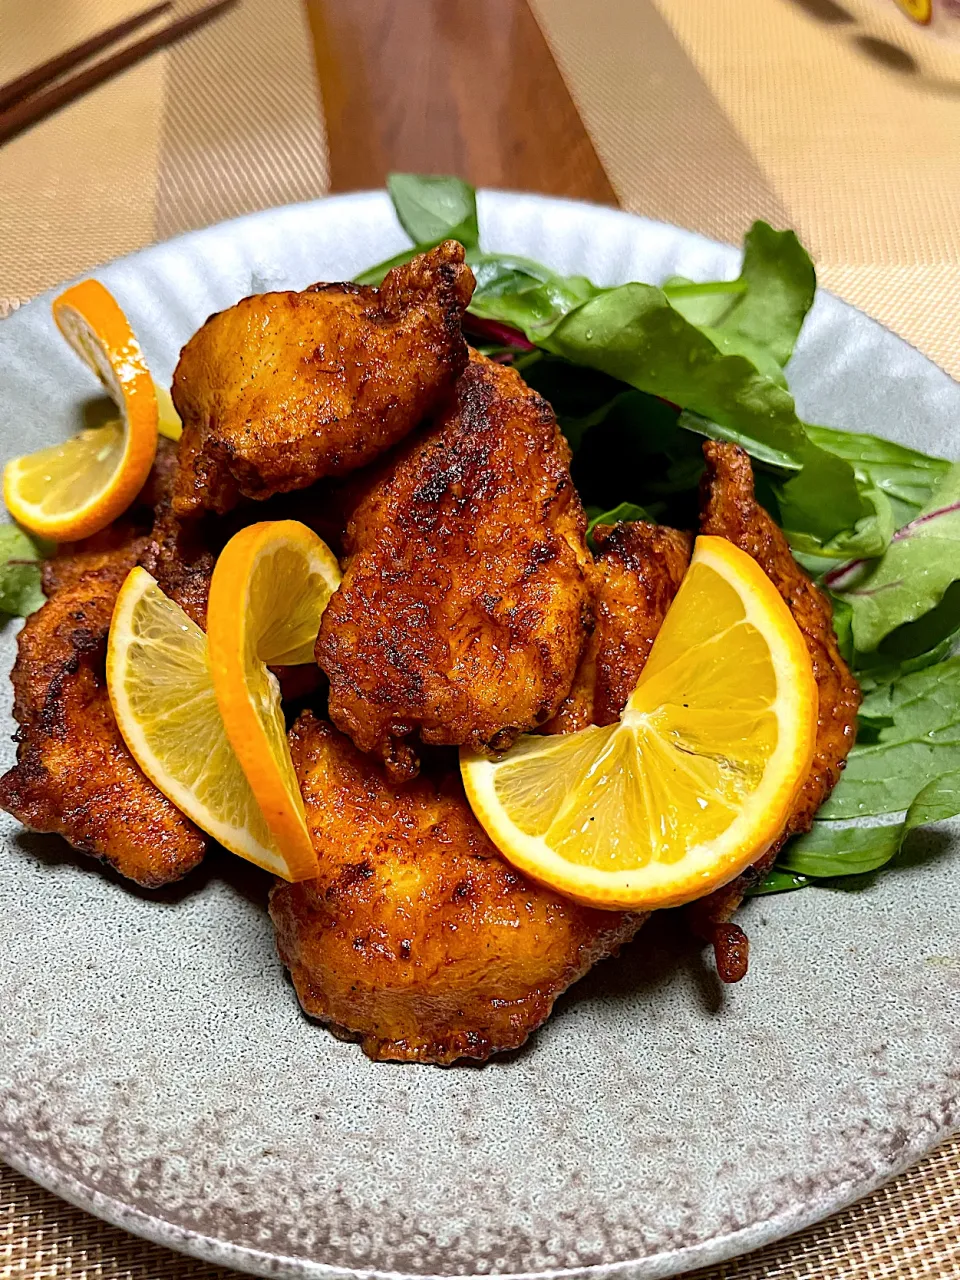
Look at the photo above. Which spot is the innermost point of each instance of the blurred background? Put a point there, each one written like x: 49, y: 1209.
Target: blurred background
x: 840, y: 118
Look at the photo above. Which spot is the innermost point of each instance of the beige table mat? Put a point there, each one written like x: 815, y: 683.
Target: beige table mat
x: 713, y: 112
x: 704, y: 112
x: 222, y: 123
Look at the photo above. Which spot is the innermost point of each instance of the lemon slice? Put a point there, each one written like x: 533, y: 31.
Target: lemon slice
x: 74, y: 489
x: 696, y: 780
x: 168, y: 420
x: 270, y: 586
x: 161, y: 691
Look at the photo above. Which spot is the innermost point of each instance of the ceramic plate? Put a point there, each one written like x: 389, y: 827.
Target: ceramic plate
x: 156, y: 1069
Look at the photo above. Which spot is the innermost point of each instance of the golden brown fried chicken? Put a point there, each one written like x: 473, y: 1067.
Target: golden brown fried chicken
x: 74, y: 774
x: 731, y: 511
x: 181, y: 555
x: 285, y: 388
x: 639, y: 568
x: 72, y: 560
x: 465, y: 602
x: 417, y: 938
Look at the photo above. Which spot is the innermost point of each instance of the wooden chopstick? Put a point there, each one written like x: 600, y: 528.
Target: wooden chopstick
x: 35, y: 108
x: 33, y: 80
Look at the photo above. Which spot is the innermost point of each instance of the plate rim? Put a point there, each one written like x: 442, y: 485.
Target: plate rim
x: 659, y: 1266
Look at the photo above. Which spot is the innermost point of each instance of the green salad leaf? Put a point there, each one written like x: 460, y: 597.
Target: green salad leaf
x: 762, y: 319
x: 779, y: 881
x: 21, y: 563
x: 634, y: 334
x: 432, y: 209
x: 835, y: 849
x: 623, y: 512
x: 904, y: 771
x: 905, y: 477
x: 913, y: 574
x: 912, y: 646
x: 909, y: 733
x: 521, y: 293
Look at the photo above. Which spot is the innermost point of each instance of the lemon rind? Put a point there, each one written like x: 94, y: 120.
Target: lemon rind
x: 236, y: 839
x: 712, y: 864
x: 228, y: 621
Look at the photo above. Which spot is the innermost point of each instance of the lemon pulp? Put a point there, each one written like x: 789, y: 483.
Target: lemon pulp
x: 64, y: 477
x: 697, y: 777
x: 161, y: 689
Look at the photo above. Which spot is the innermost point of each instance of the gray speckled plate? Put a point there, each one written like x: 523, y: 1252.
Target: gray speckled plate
x: 155, y: 1068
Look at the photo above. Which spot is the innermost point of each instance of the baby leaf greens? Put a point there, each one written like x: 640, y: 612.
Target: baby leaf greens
x: 761, y: 319
x: 21, y: 561
x: 435, y: 209
x: 636, y: 373
x: 909, y: 731
x: 835, y: 849
x: 923, y: 559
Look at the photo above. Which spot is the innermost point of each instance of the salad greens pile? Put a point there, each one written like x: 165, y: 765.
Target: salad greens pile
x: 637, y: 374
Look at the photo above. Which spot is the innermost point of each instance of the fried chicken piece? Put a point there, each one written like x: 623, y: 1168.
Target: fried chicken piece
x: 181, y: 555
x: 284, y: 388
x: 417, y: 938
x: 639, y: 567
x: 465, y: 602
x: 730, y: 510
x: 72, y: 560
x: 74, y: 774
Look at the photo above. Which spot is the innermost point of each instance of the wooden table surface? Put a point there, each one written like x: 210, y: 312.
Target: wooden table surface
x: 448, y: 86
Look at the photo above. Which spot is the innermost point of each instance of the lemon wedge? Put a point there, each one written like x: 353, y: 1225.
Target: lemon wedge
x: 76, y: 488
x: 270, y: 586
x: 161, y: 691
x: 698, y: 777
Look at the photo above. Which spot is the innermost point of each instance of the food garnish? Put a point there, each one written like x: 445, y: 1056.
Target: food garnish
x: 21, y: 567
x: 76, y: 488
x: 270, y: 586
x: 698, y: 776
x: 168, y: 420
x: 161, y: 690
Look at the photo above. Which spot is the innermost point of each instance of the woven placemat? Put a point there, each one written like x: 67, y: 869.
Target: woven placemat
x: 225, y: 122
x: 836, y: 117
x: 698, y: 111
x: 905, y: 1231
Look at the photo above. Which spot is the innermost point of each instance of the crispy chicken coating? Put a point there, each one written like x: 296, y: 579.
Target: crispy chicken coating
x: 74, y: 775
x: 181, y: 555
x: 730, y: 510
x: 417, y: 938
x: 465, y: 602
x: 110, y: 547
x: 284, y: 388
x: 639, y: 568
